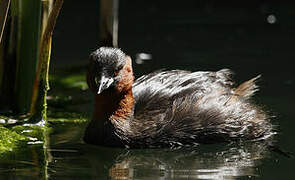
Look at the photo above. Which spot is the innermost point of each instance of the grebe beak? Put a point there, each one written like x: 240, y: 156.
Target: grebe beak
x: 104, y: 83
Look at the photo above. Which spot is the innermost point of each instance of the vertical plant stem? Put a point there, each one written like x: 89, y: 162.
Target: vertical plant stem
x: 108, y: 23
x: 4, y: 6
x: 47, y: 8
x: 115, y: 22
x: 9, y: 44
x: 41, y: 85
x: 28, y: 38
x: 1, y: 67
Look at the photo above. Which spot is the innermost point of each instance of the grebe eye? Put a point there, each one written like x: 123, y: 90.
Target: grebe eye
x: 119, y: 67
x: 117, y: 70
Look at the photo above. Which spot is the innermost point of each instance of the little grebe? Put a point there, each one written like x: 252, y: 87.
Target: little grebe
x: 168, y: 108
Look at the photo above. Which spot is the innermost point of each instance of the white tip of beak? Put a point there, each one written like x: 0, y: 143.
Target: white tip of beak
x: 104, y: 83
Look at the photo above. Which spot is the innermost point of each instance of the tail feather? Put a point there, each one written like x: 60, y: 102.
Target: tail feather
x: 247, y: 89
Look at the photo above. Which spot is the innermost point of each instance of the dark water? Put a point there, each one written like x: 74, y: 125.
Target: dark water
x: 221, y: 161
x: 249, y: 38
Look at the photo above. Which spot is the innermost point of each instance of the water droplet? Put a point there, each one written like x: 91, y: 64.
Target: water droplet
x: 271, y: 19
x: 141, y: 57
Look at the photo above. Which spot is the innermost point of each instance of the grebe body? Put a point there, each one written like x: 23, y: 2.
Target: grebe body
x: 169, y: 108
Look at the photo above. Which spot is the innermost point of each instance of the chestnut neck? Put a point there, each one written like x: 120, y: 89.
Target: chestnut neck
x: 117, y: 103
x: 113, y: 106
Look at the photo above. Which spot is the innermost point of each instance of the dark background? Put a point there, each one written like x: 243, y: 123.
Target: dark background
x: 193, y: 34
x: 194, y: 30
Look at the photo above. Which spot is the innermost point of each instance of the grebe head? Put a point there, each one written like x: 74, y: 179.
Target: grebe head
x: 107, y: 69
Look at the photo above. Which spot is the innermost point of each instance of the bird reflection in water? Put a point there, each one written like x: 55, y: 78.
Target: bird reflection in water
x: 228, y: 162
x: 71, y: 158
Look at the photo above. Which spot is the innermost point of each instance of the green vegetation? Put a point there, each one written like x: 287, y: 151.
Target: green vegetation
x: 68, y: 102
x: 69, y: 99
x: 75, y: 81
x: 25, y: 56
x: 25, y: 50
x: 24, y: 144
x: 4, y: 6
x: 28, y: 38
x: 68, y: 108
x: 41, y: 84
x: 10, y: 139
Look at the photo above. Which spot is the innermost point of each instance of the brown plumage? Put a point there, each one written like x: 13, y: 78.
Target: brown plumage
x: 168, y: 108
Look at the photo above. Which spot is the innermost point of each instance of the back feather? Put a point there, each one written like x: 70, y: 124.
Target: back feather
x: 247, y: 89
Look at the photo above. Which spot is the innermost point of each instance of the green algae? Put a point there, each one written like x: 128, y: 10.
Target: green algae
x: 69, y: 98
x: 22, y: 150
x: 15, y: 138
x: 75, y: 81
x: 68, y: 117
x: 69, y: 105
x: 69, y: 78
x: 10, y: 139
